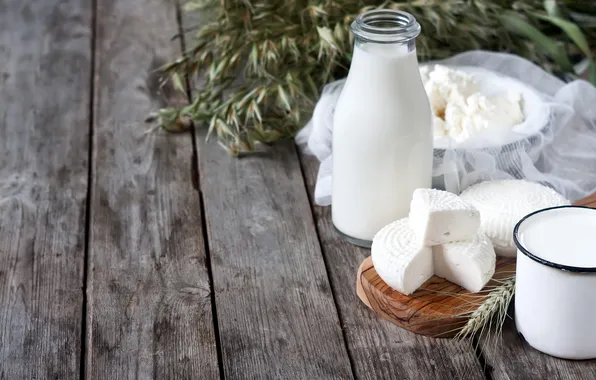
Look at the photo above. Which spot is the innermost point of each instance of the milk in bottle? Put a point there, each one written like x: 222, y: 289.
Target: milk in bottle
x: 382, y: 131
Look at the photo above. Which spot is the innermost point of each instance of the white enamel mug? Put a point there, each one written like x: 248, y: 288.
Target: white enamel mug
x: 555, y: 290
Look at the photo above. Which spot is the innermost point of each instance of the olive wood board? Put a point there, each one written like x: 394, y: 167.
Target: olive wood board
x: 439, y: 308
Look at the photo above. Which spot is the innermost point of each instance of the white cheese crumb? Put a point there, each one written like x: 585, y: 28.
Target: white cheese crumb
x: 460, y: 108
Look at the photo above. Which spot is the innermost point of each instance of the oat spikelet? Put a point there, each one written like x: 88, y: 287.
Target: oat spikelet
x: 492, y: 311
x: 256, y: 67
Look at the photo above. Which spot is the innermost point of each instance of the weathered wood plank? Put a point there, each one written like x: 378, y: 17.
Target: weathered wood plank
x: 150, y: 313
x: 276, y: 314
x: 512, y: 358
x: 45, y: 71
x: 379, y: 349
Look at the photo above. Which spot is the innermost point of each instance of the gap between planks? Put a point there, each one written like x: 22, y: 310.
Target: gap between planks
x: 273, y: 320
x: 86, y: 263
x: 44, y: 77
x: 332, y: 283
x: 196, y: 182
x: 147, y: 307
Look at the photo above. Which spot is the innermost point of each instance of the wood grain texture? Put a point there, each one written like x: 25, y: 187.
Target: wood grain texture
x: 276, y: 315
x: 439, y: 308
x: 587, y: 202
x: 379, y: 349
x: 149, y: 310
x: 45, y: 71
x: 512, y: 358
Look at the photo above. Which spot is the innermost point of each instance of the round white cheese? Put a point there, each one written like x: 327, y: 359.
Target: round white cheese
x: 503, y: 203
x: 399, y: 259
x: 404, y: 263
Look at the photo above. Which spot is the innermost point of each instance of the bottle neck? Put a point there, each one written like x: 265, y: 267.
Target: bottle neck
x: 384, y: 48
x: 385, y: 26
x: 378, y: 64
x: 388, y: 50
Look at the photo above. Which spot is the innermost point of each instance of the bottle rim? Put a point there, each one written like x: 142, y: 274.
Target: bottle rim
x: 385, y: 26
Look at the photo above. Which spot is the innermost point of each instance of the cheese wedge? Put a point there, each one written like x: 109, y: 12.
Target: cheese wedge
x: 469, y: 264
x: 399, y: 258
x: 438, y: 217
x: 503, y: 203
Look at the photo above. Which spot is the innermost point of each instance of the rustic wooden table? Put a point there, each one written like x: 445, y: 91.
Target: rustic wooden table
x: 126, y: 254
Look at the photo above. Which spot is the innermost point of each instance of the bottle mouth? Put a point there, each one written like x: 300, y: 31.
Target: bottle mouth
x: 385, y: 26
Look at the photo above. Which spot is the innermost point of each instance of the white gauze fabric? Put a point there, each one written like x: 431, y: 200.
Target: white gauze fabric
x: 556, y: 145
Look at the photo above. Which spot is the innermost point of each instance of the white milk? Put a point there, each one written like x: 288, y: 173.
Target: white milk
x: 565, y: 236
x: 382, y: 140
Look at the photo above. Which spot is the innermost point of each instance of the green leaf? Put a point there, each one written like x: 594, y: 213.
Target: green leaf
x: 178, y: 83
x: 229, y: 150
x: 572, y: 30
x: 254, y: 110
x: 339, y: 32
x: 516, y: 24
x: 583, y: 19
x: 327, y: 35
x: 234, y: 58
x: 212, y: 71
x: 247, y: 97
x: 313, y: 86
x: 167, y: 116
x: 316, y: 11
x: 221, y: 66
x: 211, y: 127
x: 582, y: 66
x: 222, y: 126
x: 271, y: 136
x: 254, y: 57
x: 284, y: 97
x: 552, y: 8
x: 592, y: 74
x: 262, y: 93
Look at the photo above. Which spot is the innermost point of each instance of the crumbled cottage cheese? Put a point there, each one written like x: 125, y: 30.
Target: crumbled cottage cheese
x: 459, y: 107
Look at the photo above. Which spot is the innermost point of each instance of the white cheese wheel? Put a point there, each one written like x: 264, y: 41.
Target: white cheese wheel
x: 469, y: 264
x: 438, y: 217
x: 399, y: 259
x: 503, y: 203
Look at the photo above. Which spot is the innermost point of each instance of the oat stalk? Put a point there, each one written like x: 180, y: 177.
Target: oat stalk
x: 489, y: 317
x: 257, y: 66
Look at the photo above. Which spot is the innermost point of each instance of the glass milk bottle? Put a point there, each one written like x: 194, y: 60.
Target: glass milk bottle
x: 382, y: 128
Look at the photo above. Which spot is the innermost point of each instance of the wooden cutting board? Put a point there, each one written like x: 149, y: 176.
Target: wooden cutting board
x: 436, y: 308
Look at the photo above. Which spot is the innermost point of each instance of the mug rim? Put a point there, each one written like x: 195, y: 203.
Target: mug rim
x: 540, y: 260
